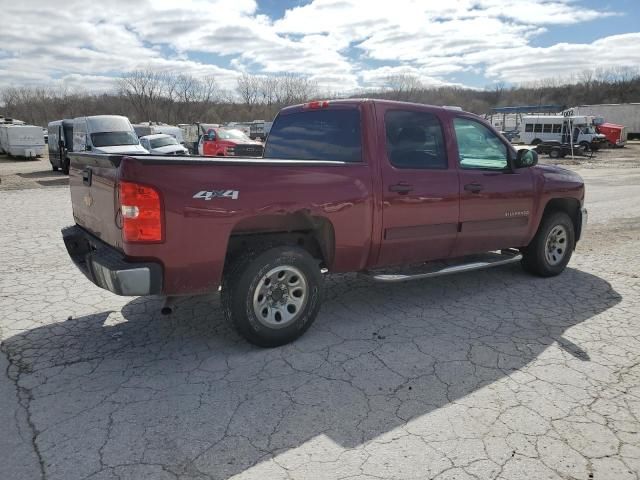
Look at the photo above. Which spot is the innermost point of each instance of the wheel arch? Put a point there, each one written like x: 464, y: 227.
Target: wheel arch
x: 315, y: 234
x: 568, y: 205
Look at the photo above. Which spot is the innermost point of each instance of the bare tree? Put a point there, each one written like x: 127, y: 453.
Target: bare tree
x: 143, y: 88
x: 248, y: 87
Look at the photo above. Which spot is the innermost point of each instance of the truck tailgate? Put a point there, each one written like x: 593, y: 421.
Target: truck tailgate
x: 92, y: 181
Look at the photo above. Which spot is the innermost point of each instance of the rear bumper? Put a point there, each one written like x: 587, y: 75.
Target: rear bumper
x: 108, y: 268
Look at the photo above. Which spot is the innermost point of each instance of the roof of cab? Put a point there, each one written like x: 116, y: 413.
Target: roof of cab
x: 358, y: 101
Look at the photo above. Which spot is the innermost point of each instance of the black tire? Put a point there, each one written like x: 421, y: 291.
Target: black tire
x: 586, y: 145
x: 65, y: 166
x: 536, y: 256
x: 536, y: 142
x: 241, y: 286
x: 54, y: 168
x: 555, y: 153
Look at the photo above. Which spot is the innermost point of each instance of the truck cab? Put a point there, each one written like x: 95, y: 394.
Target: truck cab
x: 228, y: 142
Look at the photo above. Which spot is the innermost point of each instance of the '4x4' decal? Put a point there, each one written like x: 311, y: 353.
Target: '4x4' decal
x: 208, y: 195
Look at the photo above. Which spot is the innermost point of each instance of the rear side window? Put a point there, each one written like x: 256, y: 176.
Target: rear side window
x: 528, y: 127
x: 538, y: 128
x: 415, y: 140
x: 546, y: 128
x: 316, y: 135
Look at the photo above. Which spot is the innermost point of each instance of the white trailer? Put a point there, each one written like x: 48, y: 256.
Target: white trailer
x: 22, y: 140
x: 625, y: 114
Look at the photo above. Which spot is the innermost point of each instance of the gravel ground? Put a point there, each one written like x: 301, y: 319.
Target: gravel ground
x: 487, y: 375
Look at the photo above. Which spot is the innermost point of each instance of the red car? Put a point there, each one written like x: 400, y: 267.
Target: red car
x: 396, y: 191
x: 228, y: 142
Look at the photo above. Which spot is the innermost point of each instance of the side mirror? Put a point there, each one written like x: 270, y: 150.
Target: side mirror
x: 526, y: 158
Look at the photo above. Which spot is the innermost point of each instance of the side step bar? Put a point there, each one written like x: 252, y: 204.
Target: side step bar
x: 464, y: 264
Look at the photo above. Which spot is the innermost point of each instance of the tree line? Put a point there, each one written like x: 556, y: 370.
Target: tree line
x: 147, y: 95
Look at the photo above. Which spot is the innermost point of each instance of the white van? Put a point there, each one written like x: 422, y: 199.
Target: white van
x: 22, y: 140
x: 556, y: 128
x: 105, y: 134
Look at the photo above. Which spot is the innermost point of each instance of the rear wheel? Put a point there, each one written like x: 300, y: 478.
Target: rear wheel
x: 550, y: 250
x: 54, y: 167
x: 272, y: 297
x: 536, y: 141
x: 555, y: 153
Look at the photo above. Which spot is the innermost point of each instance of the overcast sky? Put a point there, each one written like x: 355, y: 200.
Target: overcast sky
x: 343, y: 44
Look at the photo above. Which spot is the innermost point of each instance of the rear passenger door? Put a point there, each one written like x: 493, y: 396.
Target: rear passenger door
x: 419, y: 187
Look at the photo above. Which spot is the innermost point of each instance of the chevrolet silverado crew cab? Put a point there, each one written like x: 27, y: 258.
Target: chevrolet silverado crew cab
x: 396, y: 191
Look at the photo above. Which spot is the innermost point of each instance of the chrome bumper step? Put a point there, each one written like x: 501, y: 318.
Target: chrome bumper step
x: 448, y: 267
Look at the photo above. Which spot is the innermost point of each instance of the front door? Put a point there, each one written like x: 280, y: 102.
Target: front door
x: 419, y: 188
x: 496, y: 201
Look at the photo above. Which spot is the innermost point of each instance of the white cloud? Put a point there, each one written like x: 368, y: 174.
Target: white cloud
x: 342, y: 44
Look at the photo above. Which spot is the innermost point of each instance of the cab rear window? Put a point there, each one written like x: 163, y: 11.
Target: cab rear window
x: 316, y: 135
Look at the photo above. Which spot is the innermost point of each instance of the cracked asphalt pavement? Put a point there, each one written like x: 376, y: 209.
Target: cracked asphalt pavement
x: 485, y: 375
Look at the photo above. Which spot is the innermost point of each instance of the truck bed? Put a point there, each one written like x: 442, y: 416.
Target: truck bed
x: 206, y: 201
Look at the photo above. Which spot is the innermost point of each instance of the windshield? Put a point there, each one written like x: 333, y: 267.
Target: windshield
x: 162, y: 142
x: 225, y: 134
x: 110, y: 139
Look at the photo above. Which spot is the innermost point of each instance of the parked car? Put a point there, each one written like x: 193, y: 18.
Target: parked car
x: 26, y: 141
x: 105, y: 134
x: 228, y: 142
x: 60, y: 144
x: 151, y: 128
x: 371, y: 186
x: 162, y: 144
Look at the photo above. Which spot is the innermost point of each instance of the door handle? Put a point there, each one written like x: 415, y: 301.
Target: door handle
x: 401, y: 188
x: 87, y: 175
x: 473, y: 187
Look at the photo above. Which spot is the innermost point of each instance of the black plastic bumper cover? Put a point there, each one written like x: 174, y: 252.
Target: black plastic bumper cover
x: 107, y: 268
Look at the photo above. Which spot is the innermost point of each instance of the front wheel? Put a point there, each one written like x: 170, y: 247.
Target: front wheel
x: 272, y: 297
x: 585, y: 145
x: 550, y: 250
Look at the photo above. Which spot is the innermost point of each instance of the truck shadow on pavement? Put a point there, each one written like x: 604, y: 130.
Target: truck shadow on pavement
x: 117, y: 391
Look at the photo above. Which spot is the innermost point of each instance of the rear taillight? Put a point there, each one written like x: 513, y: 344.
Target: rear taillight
x: 141, y: 213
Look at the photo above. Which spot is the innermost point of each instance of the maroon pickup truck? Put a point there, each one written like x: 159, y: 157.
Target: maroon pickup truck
x: 397, y: 191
